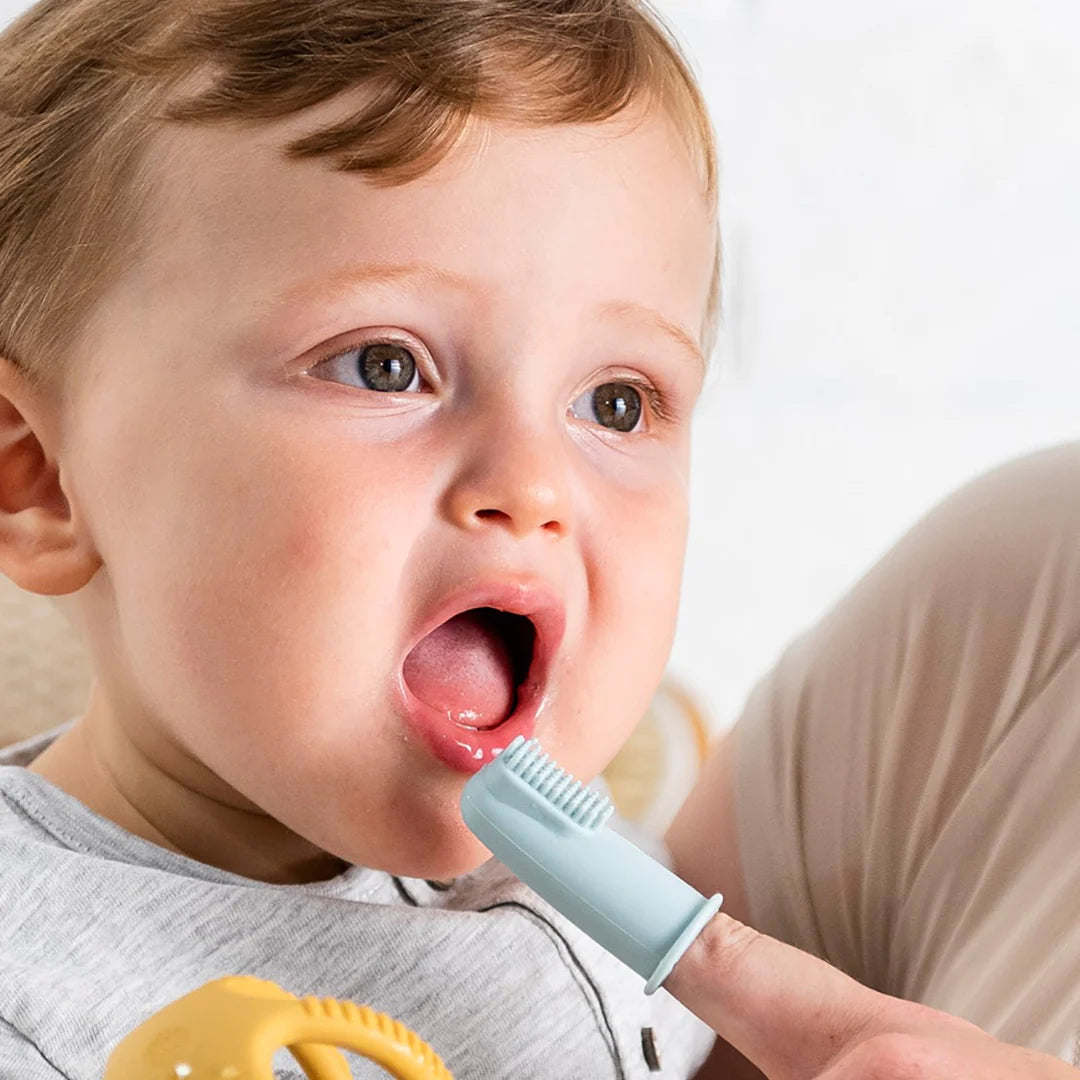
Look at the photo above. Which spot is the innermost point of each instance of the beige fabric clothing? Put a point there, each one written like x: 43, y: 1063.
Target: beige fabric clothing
x: 908, y: 777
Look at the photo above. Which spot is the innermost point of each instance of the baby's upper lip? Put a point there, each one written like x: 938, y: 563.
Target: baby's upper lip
x: 532, y: 597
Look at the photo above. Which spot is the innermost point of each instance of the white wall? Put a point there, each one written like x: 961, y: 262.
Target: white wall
x: 900, y: 202
x: 900, y: 185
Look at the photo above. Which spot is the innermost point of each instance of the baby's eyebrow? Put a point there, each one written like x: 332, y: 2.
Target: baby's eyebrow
x: 357, y: 275
x: 653, y: 318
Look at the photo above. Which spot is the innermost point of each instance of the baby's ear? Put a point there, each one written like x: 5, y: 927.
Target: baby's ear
x: 42, y: 546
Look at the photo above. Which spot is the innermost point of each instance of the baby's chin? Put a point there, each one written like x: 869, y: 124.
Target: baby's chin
x: 442, y: 857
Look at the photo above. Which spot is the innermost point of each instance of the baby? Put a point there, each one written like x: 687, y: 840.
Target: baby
x: 349, y: 353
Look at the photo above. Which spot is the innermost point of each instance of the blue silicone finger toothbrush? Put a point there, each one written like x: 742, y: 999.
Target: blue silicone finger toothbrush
x: 550, y: 830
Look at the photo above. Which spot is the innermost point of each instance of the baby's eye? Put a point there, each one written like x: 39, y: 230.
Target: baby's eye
x: 614, y: 405
x: 383, y: 366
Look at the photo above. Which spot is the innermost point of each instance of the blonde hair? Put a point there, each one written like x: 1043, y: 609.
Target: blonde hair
x: 85, y: 84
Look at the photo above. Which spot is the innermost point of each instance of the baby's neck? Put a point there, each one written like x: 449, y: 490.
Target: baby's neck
x: 156, y: 792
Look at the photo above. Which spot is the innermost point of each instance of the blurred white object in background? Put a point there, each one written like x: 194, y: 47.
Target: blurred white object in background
x: 902, y: 292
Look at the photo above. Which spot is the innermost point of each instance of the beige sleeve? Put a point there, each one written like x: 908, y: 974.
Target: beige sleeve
x: 907, y: 779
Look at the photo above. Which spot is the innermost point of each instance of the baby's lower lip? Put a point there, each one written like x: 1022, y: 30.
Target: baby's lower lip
x: 464, y: 748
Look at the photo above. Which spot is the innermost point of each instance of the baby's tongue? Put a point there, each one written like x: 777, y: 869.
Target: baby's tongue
x: 463, y: 668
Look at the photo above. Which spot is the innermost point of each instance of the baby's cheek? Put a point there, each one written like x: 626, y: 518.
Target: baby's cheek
x: 652, y: 572
x: 646, y: 548
x: 635, y: 596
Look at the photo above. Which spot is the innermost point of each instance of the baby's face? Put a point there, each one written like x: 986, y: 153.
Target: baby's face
x: 325, y: 428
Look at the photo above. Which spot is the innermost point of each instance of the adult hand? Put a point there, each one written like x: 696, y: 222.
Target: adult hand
x: 797, y: 1018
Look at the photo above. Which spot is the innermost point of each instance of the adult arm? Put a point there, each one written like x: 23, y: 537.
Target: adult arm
x: 905, y: 793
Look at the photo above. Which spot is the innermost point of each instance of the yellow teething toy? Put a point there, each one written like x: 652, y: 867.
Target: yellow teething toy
x: 231, y: 1028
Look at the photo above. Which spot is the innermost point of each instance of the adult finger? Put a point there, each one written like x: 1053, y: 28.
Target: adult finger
x: 789, y: 1013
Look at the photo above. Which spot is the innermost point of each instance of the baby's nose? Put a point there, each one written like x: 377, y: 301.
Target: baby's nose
x: 517, y: 481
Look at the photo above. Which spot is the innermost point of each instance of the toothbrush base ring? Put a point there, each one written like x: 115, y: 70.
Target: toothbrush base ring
x: 674, y: 954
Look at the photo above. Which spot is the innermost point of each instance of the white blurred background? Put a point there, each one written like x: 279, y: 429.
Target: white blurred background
x: 900, y: 184
x: 900, y: 187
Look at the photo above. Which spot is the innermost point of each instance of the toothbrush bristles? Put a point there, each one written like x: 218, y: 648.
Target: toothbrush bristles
x: 561, y: 789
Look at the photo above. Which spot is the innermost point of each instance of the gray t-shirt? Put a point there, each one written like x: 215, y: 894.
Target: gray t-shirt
x: 99, y: 929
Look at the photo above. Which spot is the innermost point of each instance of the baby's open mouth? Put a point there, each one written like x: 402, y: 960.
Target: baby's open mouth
x: 472, y: 666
